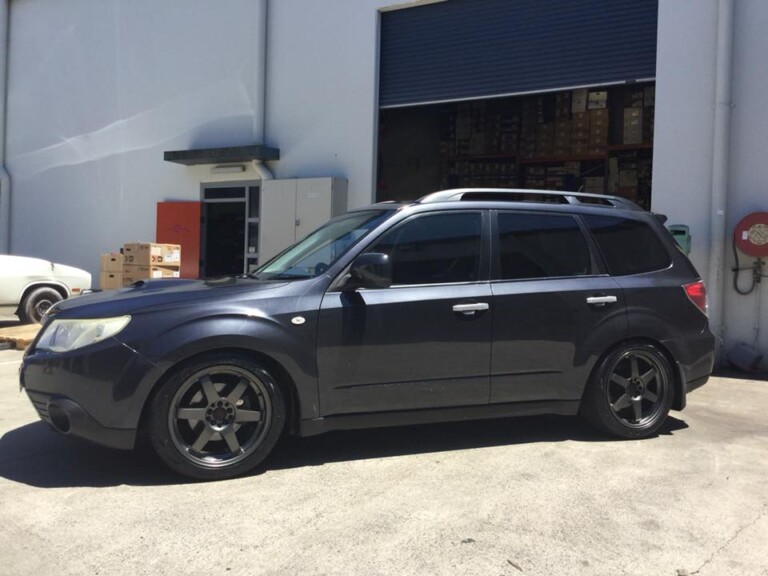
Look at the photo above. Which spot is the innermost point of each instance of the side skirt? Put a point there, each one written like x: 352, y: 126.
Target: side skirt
x: 315, y: 426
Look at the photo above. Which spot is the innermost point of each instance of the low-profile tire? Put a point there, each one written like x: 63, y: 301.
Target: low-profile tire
x: 216, y: 418
x: 37, y: 303
x: 631, y: 391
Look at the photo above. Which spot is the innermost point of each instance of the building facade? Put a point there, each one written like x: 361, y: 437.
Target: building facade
x: 98, y: 92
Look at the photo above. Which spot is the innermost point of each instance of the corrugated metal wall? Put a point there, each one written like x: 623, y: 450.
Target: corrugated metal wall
x: 462, y: 49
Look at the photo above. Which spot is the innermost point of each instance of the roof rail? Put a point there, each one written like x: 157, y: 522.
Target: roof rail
x: 523, y: 195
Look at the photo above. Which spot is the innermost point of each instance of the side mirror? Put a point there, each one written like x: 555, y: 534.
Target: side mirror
x: 372, y: 270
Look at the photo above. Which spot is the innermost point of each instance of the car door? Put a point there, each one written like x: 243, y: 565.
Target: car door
x: 424, y: 342
x: 555, y: 310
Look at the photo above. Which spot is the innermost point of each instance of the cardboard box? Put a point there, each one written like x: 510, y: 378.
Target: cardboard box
x: 579, y: 100
x: 628, y: 178
x: 112, y: 262
x: 580, y: 121
x: 133, y: 274
x: 110, y: 280
x: 649, y: 96
x: 594, y: 184
x: 150, y: 254
x: 598, y: 117
x: 633, y: 126
x: 597, y: 99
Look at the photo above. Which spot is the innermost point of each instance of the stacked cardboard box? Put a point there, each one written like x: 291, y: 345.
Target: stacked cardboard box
x: 598, y: 131
x: 562, y: 138
x: 580, y: 133
x: 597, y: 100
x: 594, y: 184
x: 633, y: 125
x: 579, y: 101
x: 111, y: 271
x: 144, y: 260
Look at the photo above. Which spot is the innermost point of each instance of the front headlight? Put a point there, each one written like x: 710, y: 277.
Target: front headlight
x: 66, y: 335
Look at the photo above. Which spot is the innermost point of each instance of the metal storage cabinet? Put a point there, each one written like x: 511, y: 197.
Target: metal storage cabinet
x: 291, y: 209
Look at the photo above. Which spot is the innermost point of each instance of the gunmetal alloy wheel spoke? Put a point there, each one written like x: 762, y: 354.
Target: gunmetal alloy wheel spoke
x: 248, y: 416
x: 238, y: 390
x: 635, y: 368
x: 623, y: 402
x: 209, y: 390
x: 231, y: 439
x: 190, y: 413
x: 620, y: 380
x: 205, y: 436
x: 637, y: 408
x: 648, y: 376
x: 650, y: 396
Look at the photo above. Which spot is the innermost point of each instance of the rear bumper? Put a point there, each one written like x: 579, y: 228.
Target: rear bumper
x: 695, y: 359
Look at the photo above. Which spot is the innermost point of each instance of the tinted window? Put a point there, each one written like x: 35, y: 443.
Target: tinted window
x: 629, y: 246
x: 541, y: 246
x: 433, y: 249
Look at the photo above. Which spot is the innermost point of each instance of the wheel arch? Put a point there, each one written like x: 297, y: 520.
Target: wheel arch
x: 29, y: 288
x: 274, y: 367
x: 678, y: 389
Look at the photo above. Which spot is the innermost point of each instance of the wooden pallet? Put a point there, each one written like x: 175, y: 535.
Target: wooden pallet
x: 18, y: 337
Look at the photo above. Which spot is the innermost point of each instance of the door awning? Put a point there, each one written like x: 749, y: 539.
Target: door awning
x: 222, y: 155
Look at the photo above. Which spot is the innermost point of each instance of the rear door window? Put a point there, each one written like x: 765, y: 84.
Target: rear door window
x: 541, y: 246
x: 628, y: 246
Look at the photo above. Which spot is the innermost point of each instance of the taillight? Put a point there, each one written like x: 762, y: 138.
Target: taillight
x: 697, y: 294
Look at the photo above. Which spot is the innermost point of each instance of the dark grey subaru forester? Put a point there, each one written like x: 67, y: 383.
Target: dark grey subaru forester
x: 465, y: 304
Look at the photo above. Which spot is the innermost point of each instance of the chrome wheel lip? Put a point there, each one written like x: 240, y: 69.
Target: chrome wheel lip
x: 658, y: 385
x: 256, y: 388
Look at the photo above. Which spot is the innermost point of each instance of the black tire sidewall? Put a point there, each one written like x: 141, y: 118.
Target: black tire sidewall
x: 161, y: 403
x: 30, y: 302
x: 595, y: 406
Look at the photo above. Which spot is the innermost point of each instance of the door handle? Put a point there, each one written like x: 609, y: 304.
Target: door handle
x: 601, y: 300
x: 470, y: 309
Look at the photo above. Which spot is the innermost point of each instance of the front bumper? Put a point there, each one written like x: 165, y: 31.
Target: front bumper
x: 96, y: 393
x: 69, y: 418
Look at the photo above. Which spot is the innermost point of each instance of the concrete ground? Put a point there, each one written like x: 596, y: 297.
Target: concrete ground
x: 535, y: 496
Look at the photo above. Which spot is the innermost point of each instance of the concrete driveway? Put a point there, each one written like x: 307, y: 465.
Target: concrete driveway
x: 534, y: 496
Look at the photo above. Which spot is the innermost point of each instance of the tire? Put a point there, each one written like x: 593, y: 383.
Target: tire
x: 216, y: 418
x: 37, y: 303
x: 631, y: 392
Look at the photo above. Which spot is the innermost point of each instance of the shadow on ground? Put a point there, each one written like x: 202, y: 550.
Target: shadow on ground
x: 38, y: 456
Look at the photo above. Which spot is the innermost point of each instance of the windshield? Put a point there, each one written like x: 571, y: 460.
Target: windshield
x: 313, y: 255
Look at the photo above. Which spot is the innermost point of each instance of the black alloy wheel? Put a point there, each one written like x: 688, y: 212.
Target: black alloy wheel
x: 217, y: 418
x: 631, y: 392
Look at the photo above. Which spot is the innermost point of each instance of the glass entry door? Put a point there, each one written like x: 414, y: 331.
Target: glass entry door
x: 230, y: 229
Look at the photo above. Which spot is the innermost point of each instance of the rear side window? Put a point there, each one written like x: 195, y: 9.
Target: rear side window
x: 629, y: 246
x: 541, y: 246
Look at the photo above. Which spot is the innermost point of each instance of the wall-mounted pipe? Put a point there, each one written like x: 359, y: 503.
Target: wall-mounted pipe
x: 720, y: 166
x: 5, y: 179
x: 260, y: 88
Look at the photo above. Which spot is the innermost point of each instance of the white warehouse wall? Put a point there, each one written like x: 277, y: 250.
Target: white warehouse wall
x: 98, y: 89
x: 747, y: 316
x: 684, y: 139
x: 322, y: 90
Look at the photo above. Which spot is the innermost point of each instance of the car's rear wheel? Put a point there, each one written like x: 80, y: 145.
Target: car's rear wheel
x: 37, y: 303
x: 216, y: 418
x: 631, y: 391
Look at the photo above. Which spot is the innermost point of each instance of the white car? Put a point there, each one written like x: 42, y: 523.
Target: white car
x: 29, y: 286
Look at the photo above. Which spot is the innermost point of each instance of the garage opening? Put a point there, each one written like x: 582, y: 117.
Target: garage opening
x: 489, y: 93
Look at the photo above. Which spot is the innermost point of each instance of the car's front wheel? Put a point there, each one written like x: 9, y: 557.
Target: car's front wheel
x: 217, y: 417
x: 631, y: 391
x: 37, y: 303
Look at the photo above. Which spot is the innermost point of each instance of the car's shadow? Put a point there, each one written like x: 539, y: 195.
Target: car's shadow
x: 38, y: 456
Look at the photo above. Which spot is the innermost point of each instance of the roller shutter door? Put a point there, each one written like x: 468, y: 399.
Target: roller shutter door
x: 467, y: 49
